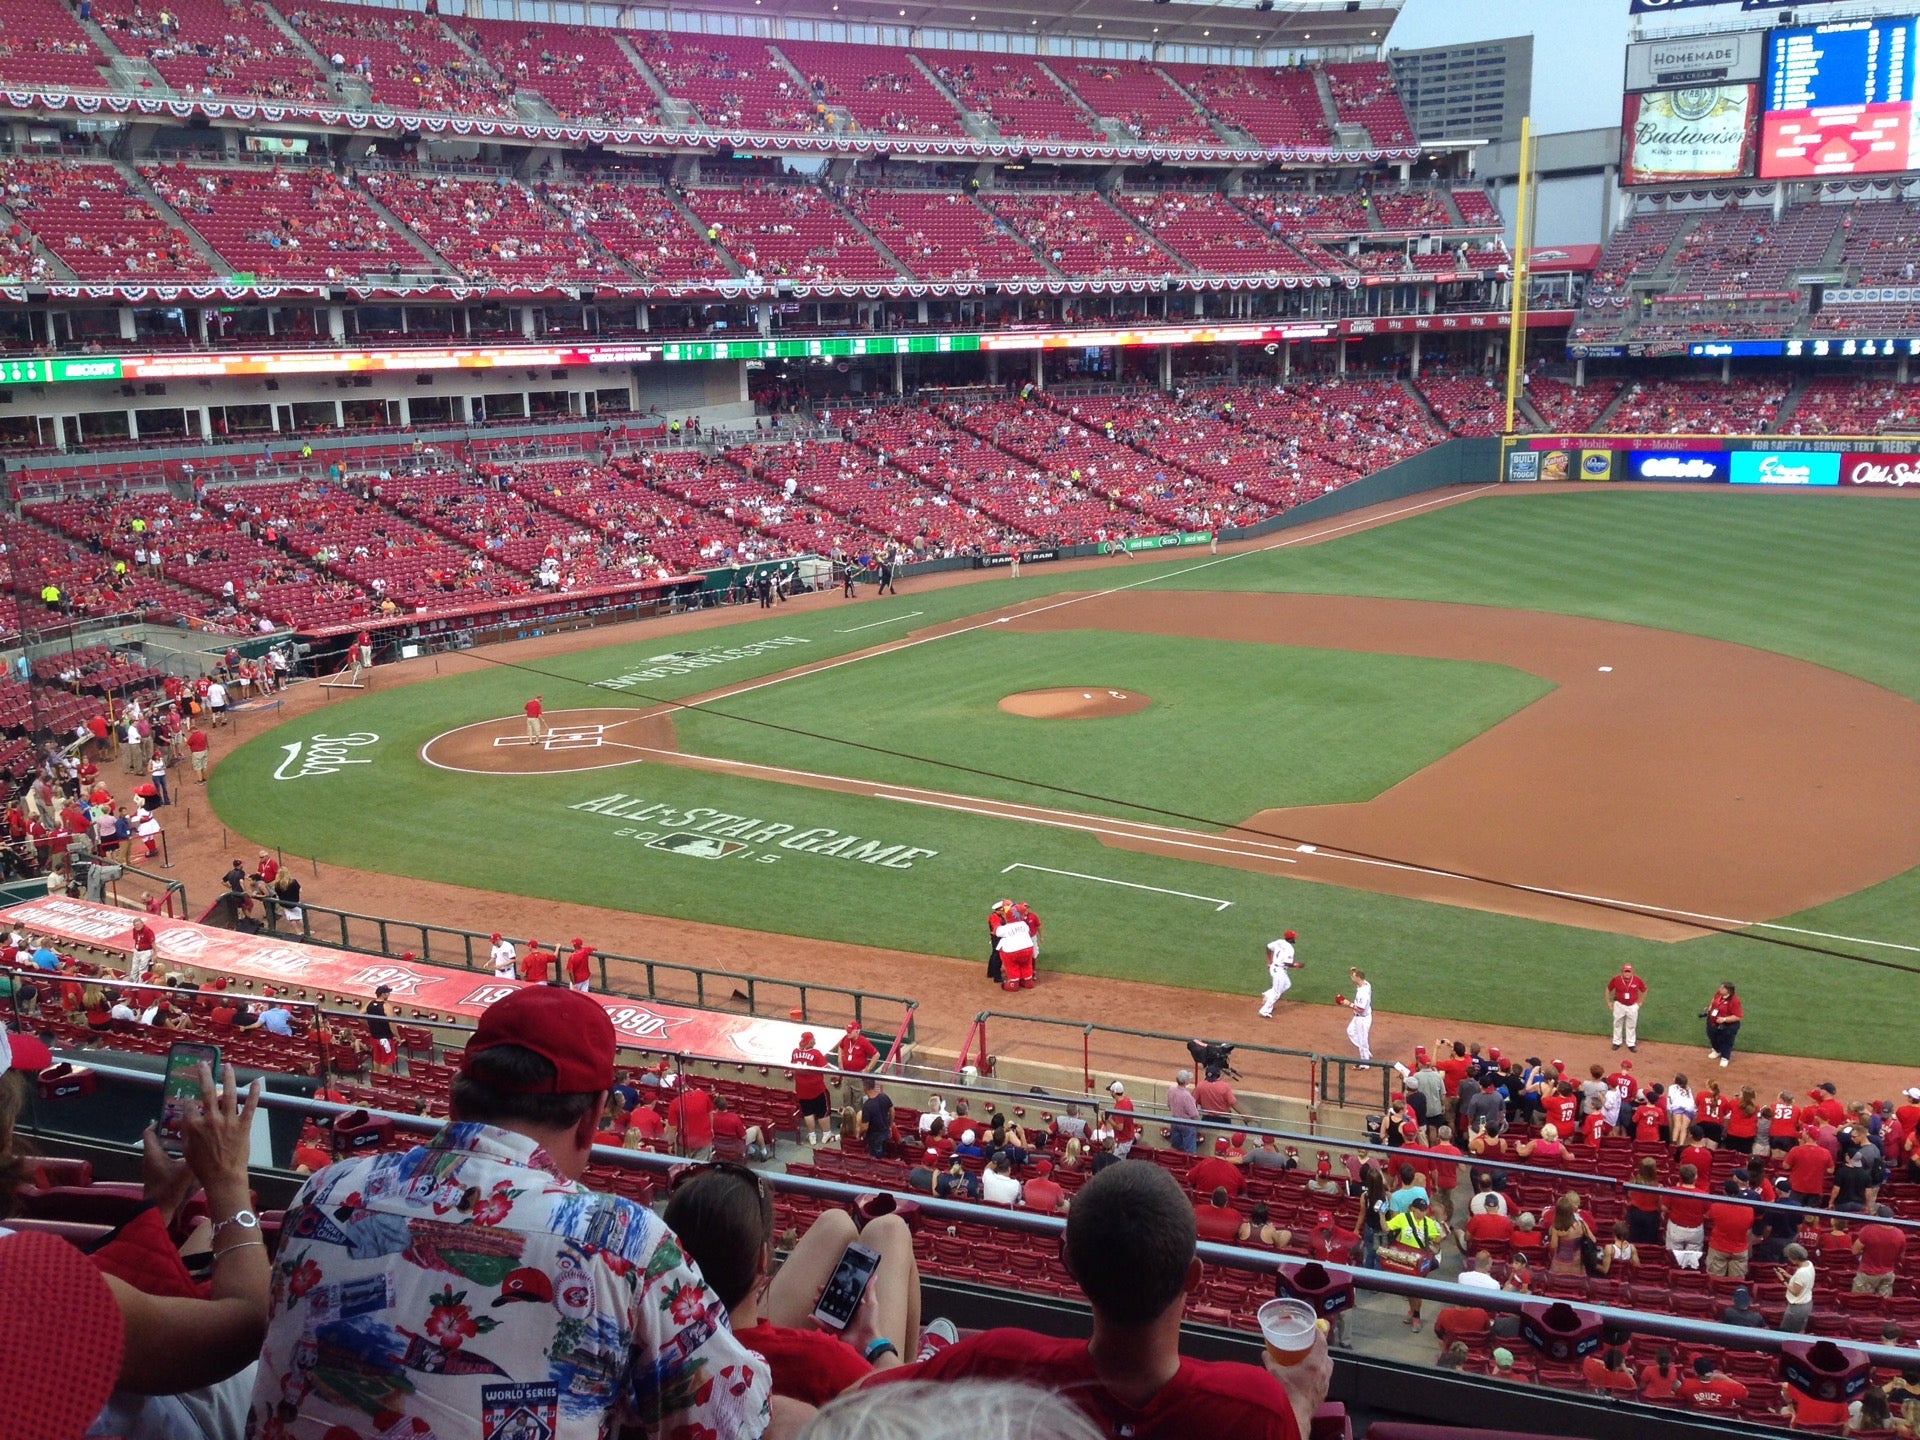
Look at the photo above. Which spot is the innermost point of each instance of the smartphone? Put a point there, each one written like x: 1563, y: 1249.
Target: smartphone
x: 846, y: 1287
x: 184, y: 1059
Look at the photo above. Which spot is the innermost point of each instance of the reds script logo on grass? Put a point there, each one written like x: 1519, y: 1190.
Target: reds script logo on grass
x: 323, y: 755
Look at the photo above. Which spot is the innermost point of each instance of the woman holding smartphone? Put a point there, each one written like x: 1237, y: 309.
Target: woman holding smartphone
x: 723, y: 1216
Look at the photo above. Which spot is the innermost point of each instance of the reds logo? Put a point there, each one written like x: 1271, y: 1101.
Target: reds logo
x: 642, y: 1023
x: 405, y: 982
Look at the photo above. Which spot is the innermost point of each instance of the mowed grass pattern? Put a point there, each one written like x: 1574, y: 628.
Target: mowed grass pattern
x: 1234, y: 728
x: 1827, y: 578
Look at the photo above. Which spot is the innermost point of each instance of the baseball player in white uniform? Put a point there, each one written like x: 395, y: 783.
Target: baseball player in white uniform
x: 1279, y: 961
x: 506, y: 964
x: 1360, y: 1027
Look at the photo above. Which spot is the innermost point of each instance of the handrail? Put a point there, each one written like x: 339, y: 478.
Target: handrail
x: 465, y: 956
x: 1675, y: 1327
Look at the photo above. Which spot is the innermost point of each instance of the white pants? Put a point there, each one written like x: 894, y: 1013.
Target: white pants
x: 1686, y: 1243
x: 1626, y: 1023
x: 1359, y: 1028
x: 1282, y: 982
x: 583, y: 986
x: 142, y: 963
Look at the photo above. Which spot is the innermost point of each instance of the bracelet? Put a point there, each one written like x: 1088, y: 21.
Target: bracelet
x: 879, y: 1346
x: 222, y: 1254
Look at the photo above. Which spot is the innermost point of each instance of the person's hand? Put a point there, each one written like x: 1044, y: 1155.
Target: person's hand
x: 165, y: 1179
x: 1306, y: 1381
x: 216, y: 1129
x: 863, y: 1329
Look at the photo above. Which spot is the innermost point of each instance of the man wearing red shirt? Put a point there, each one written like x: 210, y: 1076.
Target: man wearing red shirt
x: 1826, y: 1104
x: 1593, y: 1129
x: 1729, y: 1234
x: 1626, y: 990
x: 1120, y: 1116
x: 1445, y: 1171
x: 1327, y: 1241
x: 645, y: 1121
x: 1908, y: 1116
x: 1711, y: 1389
x: 727, y: 1125
x: 1808, y: 1166
x: 1129, y: 1245
x: 267, y: 867
x: 1453, y: 1069
x: 197, y: 744
x: 1562, y: 1108
x: 690, y: 1117
x: 1695, y: 1154
x: 1216, y: 1173
x: 1048, y: 1196
x: 1880, y: 1248
x: 856, y: 1052
x: 810, y: 1086
x: 1687, y: 1219
x: 580, y: 965
x: 535, y: 726
x: 1649, y: 1121
x: 1489, y: 1227
x: 537, y: 967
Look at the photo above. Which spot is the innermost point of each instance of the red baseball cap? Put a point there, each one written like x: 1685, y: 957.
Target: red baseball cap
x: 1326, y: 1217
x: 23, y: 1052
x: 1289, y: 936
x: 563, y: 1026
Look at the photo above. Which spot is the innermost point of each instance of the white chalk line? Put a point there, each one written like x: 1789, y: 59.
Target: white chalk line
x: 1086, y: 826
x: 1218, y: 905
x: 890, y: 620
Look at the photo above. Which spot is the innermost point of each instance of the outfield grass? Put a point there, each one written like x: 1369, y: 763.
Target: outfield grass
x: 1828, y: 578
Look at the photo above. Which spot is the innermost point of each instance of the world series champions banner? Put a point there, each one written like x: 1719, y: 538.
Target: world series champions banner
x: 461, y: 994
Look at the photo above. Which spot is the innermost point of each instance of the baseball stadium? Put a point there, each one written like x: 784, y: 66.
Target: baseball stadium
x: 701, y: 702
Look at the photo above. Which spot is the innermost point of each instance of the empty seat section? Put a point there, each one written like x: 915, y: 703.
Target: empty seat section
x: 1015, y: 92
x: 877, y: 85
x: 792, y: 233
x: 1212, y: 236
x: 1275, y: 107
x: 284, y: 224
x: 728, y: 82
x: 492, y: 230
x: 214, y: 47
x: 637, y: 223
x: 42, y: 44
x: 1082, y: 235
x: 945, y: 236
x: 408, y: 61
x: 97, y: 224
x: 1137, y: 97
x: 579, y: 70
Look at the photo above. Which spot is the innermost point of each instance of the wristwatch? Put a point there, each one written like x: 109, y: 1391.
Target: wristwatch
x: 245, y: 1219
x: 879, y: 1346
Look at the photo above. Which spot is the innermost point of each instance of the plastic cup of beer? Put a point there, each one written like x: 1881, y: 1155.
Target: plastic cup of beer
x: 1289, y: 1327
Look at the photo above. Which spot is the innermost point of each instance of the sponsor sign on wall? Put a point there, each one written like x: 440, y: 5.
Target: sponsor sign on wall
x: 1694, y: 59
x: 1697, y: 467
x: 1883, y: 471
x: 1770, y: 467
x: 1596, y: 464
x: 1704, y: 132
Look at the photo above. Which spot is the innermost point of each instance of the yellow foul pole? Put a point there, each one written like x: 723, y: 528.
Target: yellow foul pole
x: 1522, y: 244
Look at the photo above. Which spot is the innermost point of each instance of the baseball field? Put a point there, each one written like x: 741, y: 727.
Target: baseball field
x: 1488, y: 749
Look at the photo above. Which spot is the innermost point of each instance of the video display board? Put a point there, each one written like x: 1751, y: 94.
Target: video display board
x: 1839, y: 100
x: 1704, y: 132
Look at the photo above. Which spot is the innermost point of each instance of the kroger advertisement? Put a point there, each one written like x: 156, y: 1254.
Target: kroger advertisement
x: 1786, y: 469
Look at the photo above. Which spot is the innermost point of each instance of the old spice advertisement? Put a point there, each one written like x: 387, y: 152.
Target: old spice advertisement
x: 1701, y: 133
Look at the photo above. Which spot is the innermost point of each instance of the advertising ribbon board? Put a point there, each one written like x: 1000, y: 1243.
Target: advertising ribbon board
x: 462, y: 994
x: 1772, y: 467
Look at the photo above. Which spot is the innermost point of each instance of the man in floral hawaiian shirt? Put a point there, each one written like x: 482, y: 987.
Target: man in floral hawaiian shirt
x: 473, y: 1289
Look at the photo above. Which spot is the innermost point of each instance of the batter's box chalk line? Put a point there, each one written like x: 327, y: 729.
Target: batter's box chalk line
x: 572, y: 737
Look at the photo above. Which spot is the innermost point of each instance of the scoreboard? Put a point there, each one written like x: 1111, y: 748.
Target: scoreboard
x: 1839, y: 100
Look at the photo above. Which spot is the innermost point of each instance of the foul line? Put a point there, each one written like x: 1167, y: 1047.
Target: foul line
x: 1085, y: 825
x: 667, y: 707
x: 1218, y: 905
x: 890, y: 620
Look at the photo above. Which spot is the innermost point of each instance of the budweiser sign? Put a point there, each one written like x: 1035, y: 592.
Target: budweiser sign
x: 1702, y: 133
x: 1895, y: 471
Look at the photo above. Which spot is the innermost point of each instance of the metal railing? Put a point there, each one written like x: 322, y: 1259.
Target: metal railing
x: 711, y: 989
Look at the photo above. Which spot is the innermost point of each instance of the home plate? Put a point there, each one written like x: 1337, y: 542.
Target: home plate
x: 1307, y: 849
x: 1606, y: 669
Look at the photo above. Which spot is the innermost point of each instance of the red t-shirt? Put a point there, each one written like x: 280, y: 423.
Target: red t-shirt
x: 1711, y: 1107
x: 533, y: 709
x: 1698, y: 1156
x: 1881, y: 1247
x: 1687, y: 1214
x: 197, y: 742
x: 1740, y: 1125
x: 1488, y: 1228
x: 1595, y: 1371
x: 1626, y: 989
x: 1786, y: 1122
x: 1455, y: 1068
x: 1720, y: 1393
x: 1335, y: 1244
x: 1211, y: 1174
x: 808, y: 1084
x: 1808, y: 1410
x: 1648, y: 1122
x: 728, y: 1126
x: 810, y: 1366
x: 692, y: 1115
x: 1729, y: 1227
x: 1045, y: 1195
x: 646, y: 1122
x: 1446, y: 1173
x: 538, y: 966
x: 1808, y: 1167
x: 1124, y: 1128
x: 1563, y: 1111
x: 856, y: 1051
x: 579, y: 965
x: 1593, y: 1129
x: 1205, y: 1397
x: 1218, y: 1224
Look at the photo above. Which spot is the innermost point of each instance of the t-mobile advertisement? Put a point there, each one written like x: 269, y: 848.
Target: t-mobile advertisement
x: 1889, y: 472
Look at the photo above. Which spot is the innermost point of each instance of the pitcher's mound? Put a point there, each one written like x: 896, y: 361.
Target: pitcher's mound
x: 1071, y: 704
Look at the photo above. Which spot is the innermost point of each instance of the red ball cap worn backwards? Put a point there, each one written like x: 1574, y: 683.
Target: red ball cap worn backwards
x: 569, y: 1029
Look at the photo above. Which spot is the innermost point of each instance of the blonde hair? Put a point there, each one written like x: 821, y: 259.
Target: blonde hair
x: 950, y: 1410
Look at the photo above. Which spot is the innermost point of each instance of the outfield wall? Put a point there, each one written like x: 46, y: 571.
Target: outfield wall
x: 1773, y: 461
